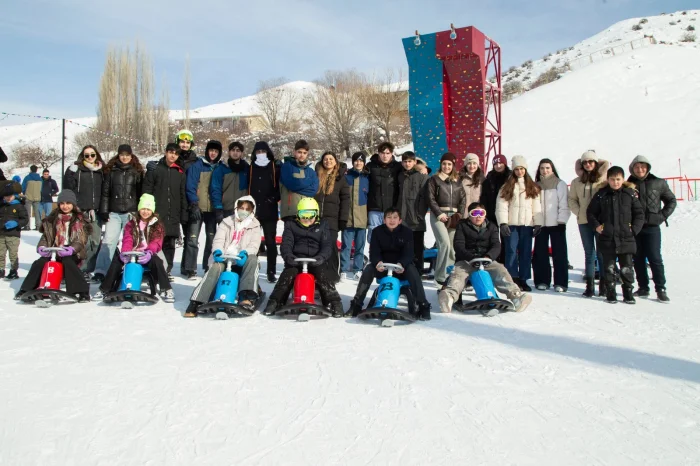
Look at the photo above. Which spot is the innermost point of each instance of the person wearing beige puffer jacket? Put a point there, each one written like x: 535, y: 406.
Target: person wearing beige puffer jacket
x: 238, y: 234
x: 519, y: 214
x: 472, y: 179
x: 592, y: 176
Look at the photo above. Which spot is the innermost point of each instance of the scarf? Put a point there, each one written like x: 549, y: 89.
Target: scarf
x: 62, y: 227
x: 261, y: 160
x: 142, y: 226
x: 549, y: 182
x: 93, y: 167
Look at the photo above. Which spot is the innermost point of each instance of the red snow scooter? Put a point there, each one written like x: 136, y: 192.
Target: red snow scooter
x: 49, y: 291
x: 304, y: 305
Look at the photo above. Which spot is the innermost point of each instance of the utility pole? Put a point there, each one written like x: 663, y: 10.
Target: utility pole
x: 63, y: 150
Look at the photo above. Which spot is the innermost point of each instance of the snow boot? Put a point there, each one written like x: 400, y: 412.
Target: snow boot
x: 662, y: 296
x: 424, y: 311
x: 642, y: 292
x: 355, y: 308
x: 610, y: 295
x: 271, y: 307
x: 337, y: 309
x: 524, y: 286
x: 83, y: 297
x: 12, y: 275
x: 2, y: 273
x: 191, y: 309
x: 590, y: 288
x: 627, y: 296
x: 602, y: 289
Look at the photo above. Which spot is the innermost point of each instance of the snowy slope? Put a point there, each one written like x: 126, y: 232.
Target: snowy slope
x: 570, y: 381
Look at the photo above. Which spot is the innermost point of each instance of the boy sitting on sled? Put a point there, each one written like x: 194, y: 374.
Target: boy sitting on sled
x: 477, y: 238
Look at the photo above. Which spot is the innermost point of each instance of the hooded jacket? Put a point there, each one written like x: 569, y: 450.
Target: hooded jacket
x: 199, y: 178
x: 413, y: 199
x: 358, y: 181
x: 335, y: 207
x: 313, y: 242
x: 383, y: 184
x: 296, y: 182
x: 13, y: 210
x: 622, y: 218
x: 581, y: 194
x: 489, y: 192
x: 153, y: 235
x: 31, y: 187
x: 248, y: 229
x: 653, y: 192
x: 229, y: 181
x: 86, y: 184
x: 167, y: 185
x: 264, y: 184
x: 472, y: 242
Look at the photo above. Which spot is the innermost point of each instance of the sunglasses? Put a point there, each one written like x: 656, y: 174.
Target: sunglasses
x: 307, y: 214
x: 89, y: 155
x: 477, y: 213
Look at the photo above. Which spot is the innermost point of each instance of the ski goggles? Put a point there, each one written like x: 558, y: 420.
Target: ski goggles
x: 307, y: 214
x: 477, y: 213
x: 184, y: 137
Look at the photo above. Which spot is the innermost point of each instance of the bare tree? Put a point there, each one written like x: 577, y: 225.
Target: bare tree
x: 25, y: 156
x: 336, y: 109
x: 277, y: 103
x: 187, y: 91
x: 384, y: 100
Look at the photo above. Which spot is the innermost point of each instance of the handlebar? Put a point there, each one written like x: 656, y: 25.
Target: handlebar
x: 391, y: 268
x: 480, y: 262
x: 305, y: 263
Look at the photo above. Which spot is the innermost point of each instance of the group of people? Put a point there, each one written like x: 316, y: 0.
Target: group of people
x: 381, y: 201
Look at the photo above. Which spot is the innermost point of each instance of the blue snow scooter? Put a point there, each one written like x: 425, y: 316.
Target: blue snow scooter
x: 487, y: 301
x: 385, y: 300
x: 226, y: 296
x: 129, y: 291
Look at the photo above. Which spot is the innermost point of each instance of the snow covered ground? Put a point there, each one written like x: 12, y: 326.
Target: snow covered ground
x: 570, y: 381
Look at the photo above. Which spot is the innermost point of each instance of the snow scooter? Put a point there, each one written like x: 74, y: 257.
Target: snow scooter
x: 304, y: 304
x: 225, y: 303
x: 487, y: 301
x: 129, y: 291
x: 49, y: 290
x: 387, y: 297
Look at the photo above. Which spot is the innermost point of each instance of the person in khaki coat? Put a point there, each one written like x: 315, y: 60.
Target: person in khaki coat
x: 239, y: 235
x: 519, y: 214
x: 472, y: 179
x: 356, y: 228
x: 592, y: 176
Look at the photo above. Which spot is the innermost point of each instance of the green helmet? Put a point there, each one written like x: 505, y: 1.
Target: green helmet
x: 184, y: 135
x: 307, y: 208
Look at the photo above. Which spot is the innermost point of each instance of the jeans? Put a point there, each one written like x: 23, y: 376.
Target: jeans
x: 37, y: 213
x: 374, y: 219
x: 351, y: 235
x: 589, y: 239
x: 113, y: 233
x: 92, y: 247
x: 540, y: 259
x: 649, y: 247
x: 192, y: 240
x: 45, y: 209
x: 519, y: 252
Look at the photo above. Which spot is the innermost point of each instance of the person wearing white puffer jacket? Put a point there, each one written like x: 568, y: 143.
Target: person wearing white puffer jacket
x: 555, y: 213
x: 519, y: 214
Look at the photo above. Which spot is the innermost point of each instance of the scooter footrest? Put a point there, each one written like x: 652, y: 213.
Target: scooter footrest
x: 383, y: 313
x: 228, y: 308
x: 485, y: 305
x: 296, y: 309
x: 132, y: 296
x: 53, y: 295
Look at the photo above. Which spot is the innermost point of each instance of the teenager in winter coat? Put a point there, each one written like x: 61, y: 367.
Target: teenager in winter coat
x: 229, y: 181
x: 237, y: 235
x: 333, y: 199
x: 554, y: 197
x: 519, y: 214
x: 264, y: 187
x: 49, y: 189
x: 297, y: 180
x: 121, y: 190
x: 489, y: 194
x: 392, y: 243
x: 185, y: 142
x: 592, y: 176
x: 472, y: 179
x: 306, y: 237
x: 31, y: 187
x: 64, y: 227
x: 616, y: 214
x: 446, y: 201
x: 13, y: 217
x: 413, y: 204
x: 383, y: 185
x: 653, y: 192
x: 84, y: 178
x: 166, y: 183
x: 355, y: 232
x: 201, y: 210
x: 477, y: 238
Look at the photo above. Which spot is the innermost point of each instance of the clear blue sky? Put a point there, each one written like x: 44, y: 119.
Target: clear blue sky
x: 52, y: 51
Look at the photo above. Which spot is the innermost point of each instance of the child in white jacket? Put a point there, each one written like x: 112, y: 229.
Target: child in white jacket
x: 238, y: 234
x: 519, y: 214
x: 555, y: 213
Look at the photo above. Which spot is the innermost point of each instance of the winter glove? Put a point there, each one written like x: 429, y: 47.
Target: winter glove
x: 104, y: 216
x: 219, y: 215
x: 10, y: 224
x: 218, y: 256
x: 145, y: 259
x: 66, y: 251
x: 319, y: 262
x: 243, y: 258
x: 505, y: 230
x: 43, y: 252
x: 536, y: 230
x: 124, y: 258
x: 342, y: 226
x: 290, y: 261
x: 195, y: 213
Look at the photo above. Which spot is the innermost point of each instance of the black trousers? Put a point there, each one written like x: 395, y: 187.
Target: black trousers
x: 649, y: 248
x: 334, y: 261
x: 75, y: 281
x: 626, y: 270
x: 192, y: 241
x: 541, y: 268
x: 183, y: 271
x: 114, y: 274
x: 285, y: 283
x: 418, y: 249
x: 169, y: 251
x: 269, y: 228
x: 370, y: 272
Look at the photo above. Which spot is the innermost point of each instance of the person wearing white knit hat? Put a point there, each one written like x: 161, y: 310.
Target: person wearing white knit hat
x: 519, y: 214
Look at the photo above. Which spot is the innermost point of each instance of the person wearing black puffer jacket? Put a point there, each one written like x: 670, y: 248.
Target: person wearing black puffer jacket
x: 653, y: 192
x: 166, y: 183
x: 333, y: 199
x: 490, y: 187
x: 84, y: 178
x: 121, y: 190
x: 413, y: 204
x: 383, y: 185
